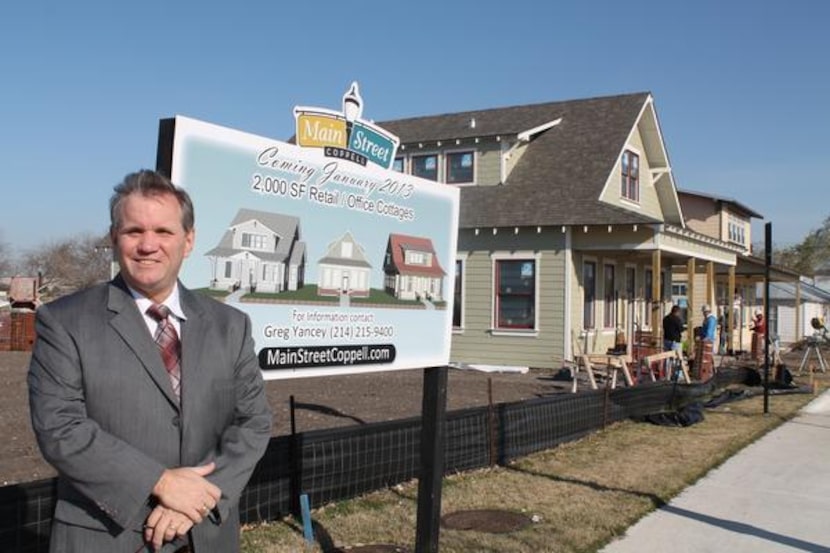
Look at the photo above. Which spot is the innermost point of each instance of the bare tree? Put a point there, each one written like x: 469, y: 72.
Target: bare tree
x: 71, y: 264
x: 6, y: 261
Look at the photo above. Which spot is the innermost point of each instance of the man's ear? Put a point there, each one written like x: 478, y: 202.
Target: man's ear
x: 189, y: 240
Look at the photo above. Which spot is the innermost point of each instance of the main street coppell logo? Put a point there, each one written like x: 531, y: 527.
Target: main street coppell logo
x: 345, y: 135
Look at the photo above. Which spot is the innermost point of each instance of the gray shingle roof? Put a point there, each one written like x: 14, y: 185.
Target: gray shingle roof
x: 285, y: 226
x: 559, y: 179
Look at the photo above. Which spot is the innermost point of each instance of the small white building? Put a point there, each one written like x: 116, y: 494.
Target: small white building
x: 344, y: 269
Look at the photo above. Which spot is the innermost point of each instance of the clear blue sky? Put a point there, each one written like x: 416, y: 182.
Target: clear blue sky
x: 741, y: 87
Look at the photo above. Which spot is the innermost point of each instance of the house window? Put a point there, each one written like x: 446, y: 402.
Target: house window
x: 589, y: 286
x: 630, y: 176
x: 399, y: 165
x: 516, y: 293
x: 648, y: 289
x: 458, y: 297
x: 425, y: 166
x: 460, y: 167
x: 253, y: 241
x: 415, y: 258
x: 737, y: 230
x: 346, y: 250
x: 630, y: 283
x: 610, y: 317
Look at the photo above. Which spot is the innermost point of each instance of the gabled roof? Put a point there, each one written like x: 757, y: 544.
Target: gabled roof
x: 723, y: 200
x: 561, y: 175
x: 398, y: 245
x: 284, y: 226
x: 333, y: 257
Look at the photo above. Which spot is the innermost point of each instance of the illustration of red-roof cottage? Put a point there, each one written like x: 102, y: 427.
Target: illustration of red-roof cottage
x: 344, y: 269
x: 260, y: 251
x: 412, y: 269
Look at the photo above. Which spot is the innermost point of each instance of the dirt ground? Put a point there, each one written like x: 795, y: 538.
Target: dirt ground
x: 321, y: 402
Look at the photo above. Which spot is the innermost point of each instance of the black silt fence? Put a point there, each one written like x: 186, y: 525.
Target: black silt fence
x: 341, y: 463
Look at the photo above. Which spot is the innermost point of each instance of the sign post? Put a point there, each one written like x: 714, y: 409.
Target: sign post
x: 430, y: 477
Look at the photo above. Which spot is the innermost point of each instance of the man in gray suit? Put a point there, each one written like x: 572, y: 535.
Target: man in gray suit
x: 153, y: 437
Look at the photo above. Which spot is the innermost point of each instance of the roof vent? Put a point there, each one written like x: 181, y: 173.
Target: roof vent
x: 472, y: 122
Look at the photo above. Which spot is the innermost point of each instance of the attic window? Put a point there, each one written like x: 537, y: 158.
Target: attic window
x: 460, y: 167
x: 630, y: 183
x: 425, y: 166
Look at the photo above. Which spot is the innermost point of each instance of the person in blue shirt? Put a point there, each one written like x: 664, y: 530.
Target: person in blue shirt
x: 710, y: 324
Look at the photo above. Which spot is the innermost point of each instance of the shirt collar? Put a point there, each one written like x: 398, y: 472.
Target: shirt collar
x: 172, y: 302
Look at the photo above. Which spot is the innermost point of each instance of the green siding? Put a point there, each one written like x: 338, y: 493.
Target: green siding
x: 489, y: 164
x: 477, y: 343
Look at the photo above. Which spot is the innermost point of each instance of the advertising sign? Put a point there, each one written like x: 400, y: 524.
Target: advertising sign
x: 342, y: 264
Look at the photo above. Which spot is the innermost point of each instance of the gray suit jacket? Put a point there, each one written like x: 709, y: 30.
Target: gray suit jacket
x: 105, y: 416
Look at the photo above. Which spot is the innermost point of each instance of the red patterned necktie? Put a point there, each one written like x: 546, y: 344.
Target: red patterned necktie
x: 167, y: 339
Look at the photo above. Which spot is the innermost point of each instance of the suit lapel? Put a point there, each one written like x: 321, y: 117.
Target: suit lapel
x: 194, y: 330
x: 130, y: 325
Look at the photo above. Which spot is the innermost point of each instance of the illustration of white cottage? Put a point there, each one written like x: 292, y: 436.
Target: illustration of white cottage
x: 260, y: 251
x: 412, y: 269
x: 344, y: 269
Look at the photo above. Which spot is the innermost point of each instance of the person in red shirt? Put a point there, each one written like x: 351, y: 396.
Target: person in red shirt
x: 759, y: 332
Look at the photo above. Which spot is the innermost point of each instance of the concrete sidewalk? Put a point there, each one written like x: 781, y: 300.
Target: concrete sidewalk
x: 773, y: 496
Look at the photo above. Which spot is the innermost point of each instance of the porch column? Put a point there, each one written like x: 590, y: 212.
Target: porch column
x: 798, y: 313
x: 730, y: 299
x: 691, y: 307
x: 710, y: 285
x: 656, y: 289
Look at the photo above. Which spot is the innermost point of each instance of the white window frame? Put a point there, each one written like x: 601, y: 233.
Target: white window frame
x: 495, y: 257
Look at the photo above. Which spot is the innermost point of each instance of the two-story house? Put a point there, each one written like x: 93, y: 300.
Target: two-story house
x: 259, y: 251
x: 570, y: 224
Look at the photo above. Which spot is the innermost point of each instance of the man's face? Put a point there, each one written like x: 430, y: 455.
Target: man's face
x: 151, y: 243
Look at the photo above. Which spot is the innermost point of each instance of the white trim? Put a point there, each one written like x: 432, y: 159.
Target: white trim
x: 525, y: 136
x: 504, y: 149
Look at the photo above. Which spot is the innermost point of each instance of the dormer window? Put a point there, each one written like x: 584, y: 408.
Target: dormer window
x: 737, y: 230
x: 460, y: 167
x: 399, y: 165
x: 254, y: 241
x: 425, y: 166
x: 630, y: 184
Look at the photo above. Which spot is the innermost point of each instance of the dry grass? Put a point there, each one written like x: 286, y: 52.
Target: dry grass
x: 581, y: 494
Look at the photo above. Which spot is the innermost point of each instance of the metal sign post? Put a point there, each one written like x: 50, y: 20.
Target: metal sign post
x: 767, y: 263
x: 430, y: 475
